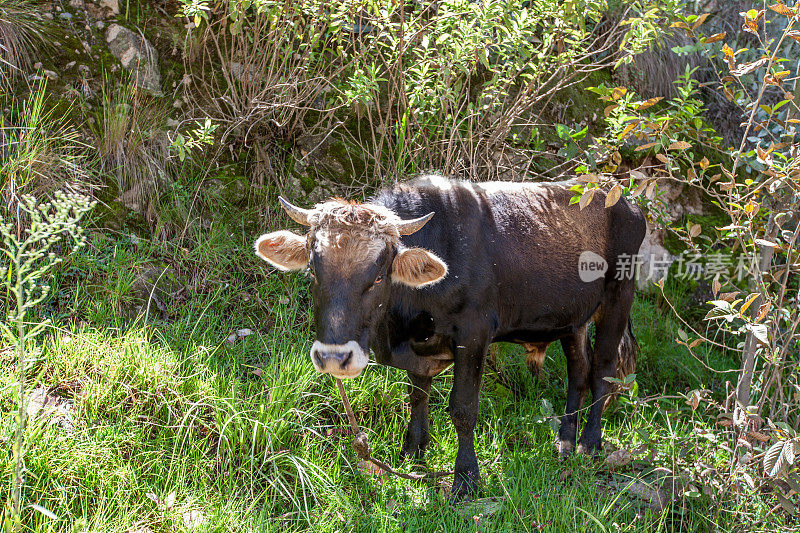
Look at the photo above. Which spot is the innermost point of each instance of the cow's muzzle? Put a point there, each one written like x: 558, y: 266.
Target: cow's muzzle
x: 341, y: 360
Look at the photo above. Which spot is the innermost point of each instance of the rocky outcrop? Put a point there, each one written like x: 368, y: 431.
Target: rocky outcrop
x: 137, y: 55
x: 680, y: 200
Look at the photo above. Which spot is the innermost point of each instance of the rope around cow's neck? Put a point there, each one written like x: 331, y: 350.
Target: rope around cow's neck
x: 361, y: 444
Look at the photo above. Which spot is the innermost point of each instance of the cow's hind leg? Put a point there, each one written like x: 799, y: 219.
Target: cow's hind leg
x: 418, y: 433
x: 611, y: 321
x: 576, y: 348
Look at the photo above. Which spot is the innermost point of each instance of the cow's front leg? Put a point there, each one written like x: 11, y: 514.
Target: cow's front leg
x: 468, y: 368
x: 418, y: 433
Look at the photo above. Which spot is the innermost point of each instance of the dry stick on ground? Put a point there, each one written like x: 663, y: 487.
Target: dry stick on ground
x: 362, y: 449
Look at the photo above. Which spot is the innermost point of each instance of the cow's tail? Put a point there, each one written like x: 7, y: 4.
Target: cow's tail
x: 626, y: 362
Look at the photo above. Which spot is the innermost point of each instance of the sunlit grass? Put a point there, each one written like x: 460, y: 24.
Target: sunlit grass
x: 175, y: 429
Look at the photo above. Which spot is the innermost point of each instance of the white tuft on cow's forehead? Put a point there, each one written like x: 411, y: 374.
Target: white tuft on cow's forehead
x: 376, y: 220
x: 351, y: 234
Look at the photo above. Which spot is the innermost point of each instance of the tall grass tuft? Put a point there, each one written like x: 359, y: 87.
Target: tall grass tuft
x: 21, y: 32
x: 133, y: 146
x: 39, y: 153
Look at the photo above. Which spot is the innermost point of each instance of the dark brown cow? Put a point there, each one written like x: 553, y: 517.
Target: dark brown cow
x: 510, y: 262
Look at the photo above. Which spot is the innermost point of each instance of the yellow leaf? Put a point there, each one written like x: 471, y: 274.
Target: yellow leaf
x: 781, y: 9
x: 618, y: 92
x: 607, y: 111
x: 680, y: 24
x: 679, y: 145
x: 727, y: 50
x: 613, y: 195
x: 748, y: 303
x: 715, y: 38
x: 702, y: 18
x: 649, y: 103
x: 628, y: 129
x: 661, y: 157
x: 645, y: 146
x: 695, y: 230
x: 703, y: 163
x: 763, y: 310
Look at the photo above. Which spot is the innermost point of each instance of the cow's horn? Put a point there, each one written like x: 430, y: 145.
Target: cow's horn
x: 407, y: 227
x: 297, y: 214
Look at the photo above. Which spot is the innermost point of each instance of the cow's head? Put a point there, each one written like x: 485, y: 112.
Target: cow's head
x: 353, y: 254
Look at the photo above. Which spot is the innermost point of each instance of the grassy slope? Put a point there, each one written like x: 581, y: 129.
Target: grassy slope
x: 253, y: 439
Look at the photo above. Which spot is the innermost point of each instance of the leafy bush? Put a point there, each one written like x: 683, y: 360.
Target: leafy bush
x: 459, y: 87
x: 756, y: 186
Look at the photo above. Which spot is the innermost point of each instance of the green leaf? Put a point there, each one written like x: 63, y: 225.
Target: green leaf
x: 563, y: 132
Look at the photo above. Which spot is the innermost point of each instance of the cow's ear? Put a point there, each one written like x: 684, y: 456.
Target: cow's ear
x: 417, y: 267
x: 283, y: 249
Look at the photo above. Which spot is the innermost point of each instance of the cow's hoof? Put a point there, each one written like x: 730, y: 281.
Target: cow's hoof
x: 465, y: 487
x: 416, y: 456
x: 588, y: 448
x: 564, y: 448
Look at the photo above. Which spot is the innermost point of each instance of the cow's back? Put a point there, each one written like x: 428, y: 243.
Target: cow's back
x: 514, y: 248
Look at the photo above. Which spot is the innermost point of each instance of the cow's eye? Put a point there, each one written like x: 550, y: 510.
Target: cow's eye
x: 378, y: 279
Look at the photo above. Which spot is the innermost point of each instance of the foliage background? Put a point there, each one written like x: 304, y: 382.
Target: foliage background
x: 172, y: 390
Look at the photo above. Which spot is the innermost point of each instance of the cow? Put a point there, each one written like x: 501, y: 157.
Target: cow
x: 429, y: 272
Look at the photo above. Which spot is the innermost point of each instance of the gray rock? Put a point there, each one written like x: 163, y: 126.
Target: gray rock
x: 100, y: 24
x: 111, y: 5
x: 137, y: 55
x: 65, y: 15
x: 655, y: 497
x: 50, y: 74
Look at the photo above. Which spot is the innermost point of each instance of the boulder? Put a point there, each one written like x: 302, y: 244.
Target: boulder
x: 111, y: 5
x: 655, y: 259
x: 136, y: 55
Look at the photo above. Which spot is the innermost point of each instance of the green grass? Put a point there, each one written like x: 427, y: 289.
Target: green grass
x: 168, y: 419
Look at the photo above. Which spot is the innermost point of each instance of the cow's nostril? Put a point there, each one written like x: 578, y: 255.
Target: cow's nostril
x: 347, y: 358
x: 317, y: 359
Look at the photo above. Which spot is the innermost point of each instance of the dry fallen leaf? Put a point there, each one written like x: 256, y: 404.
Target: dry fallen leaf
x: 193, y: 520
